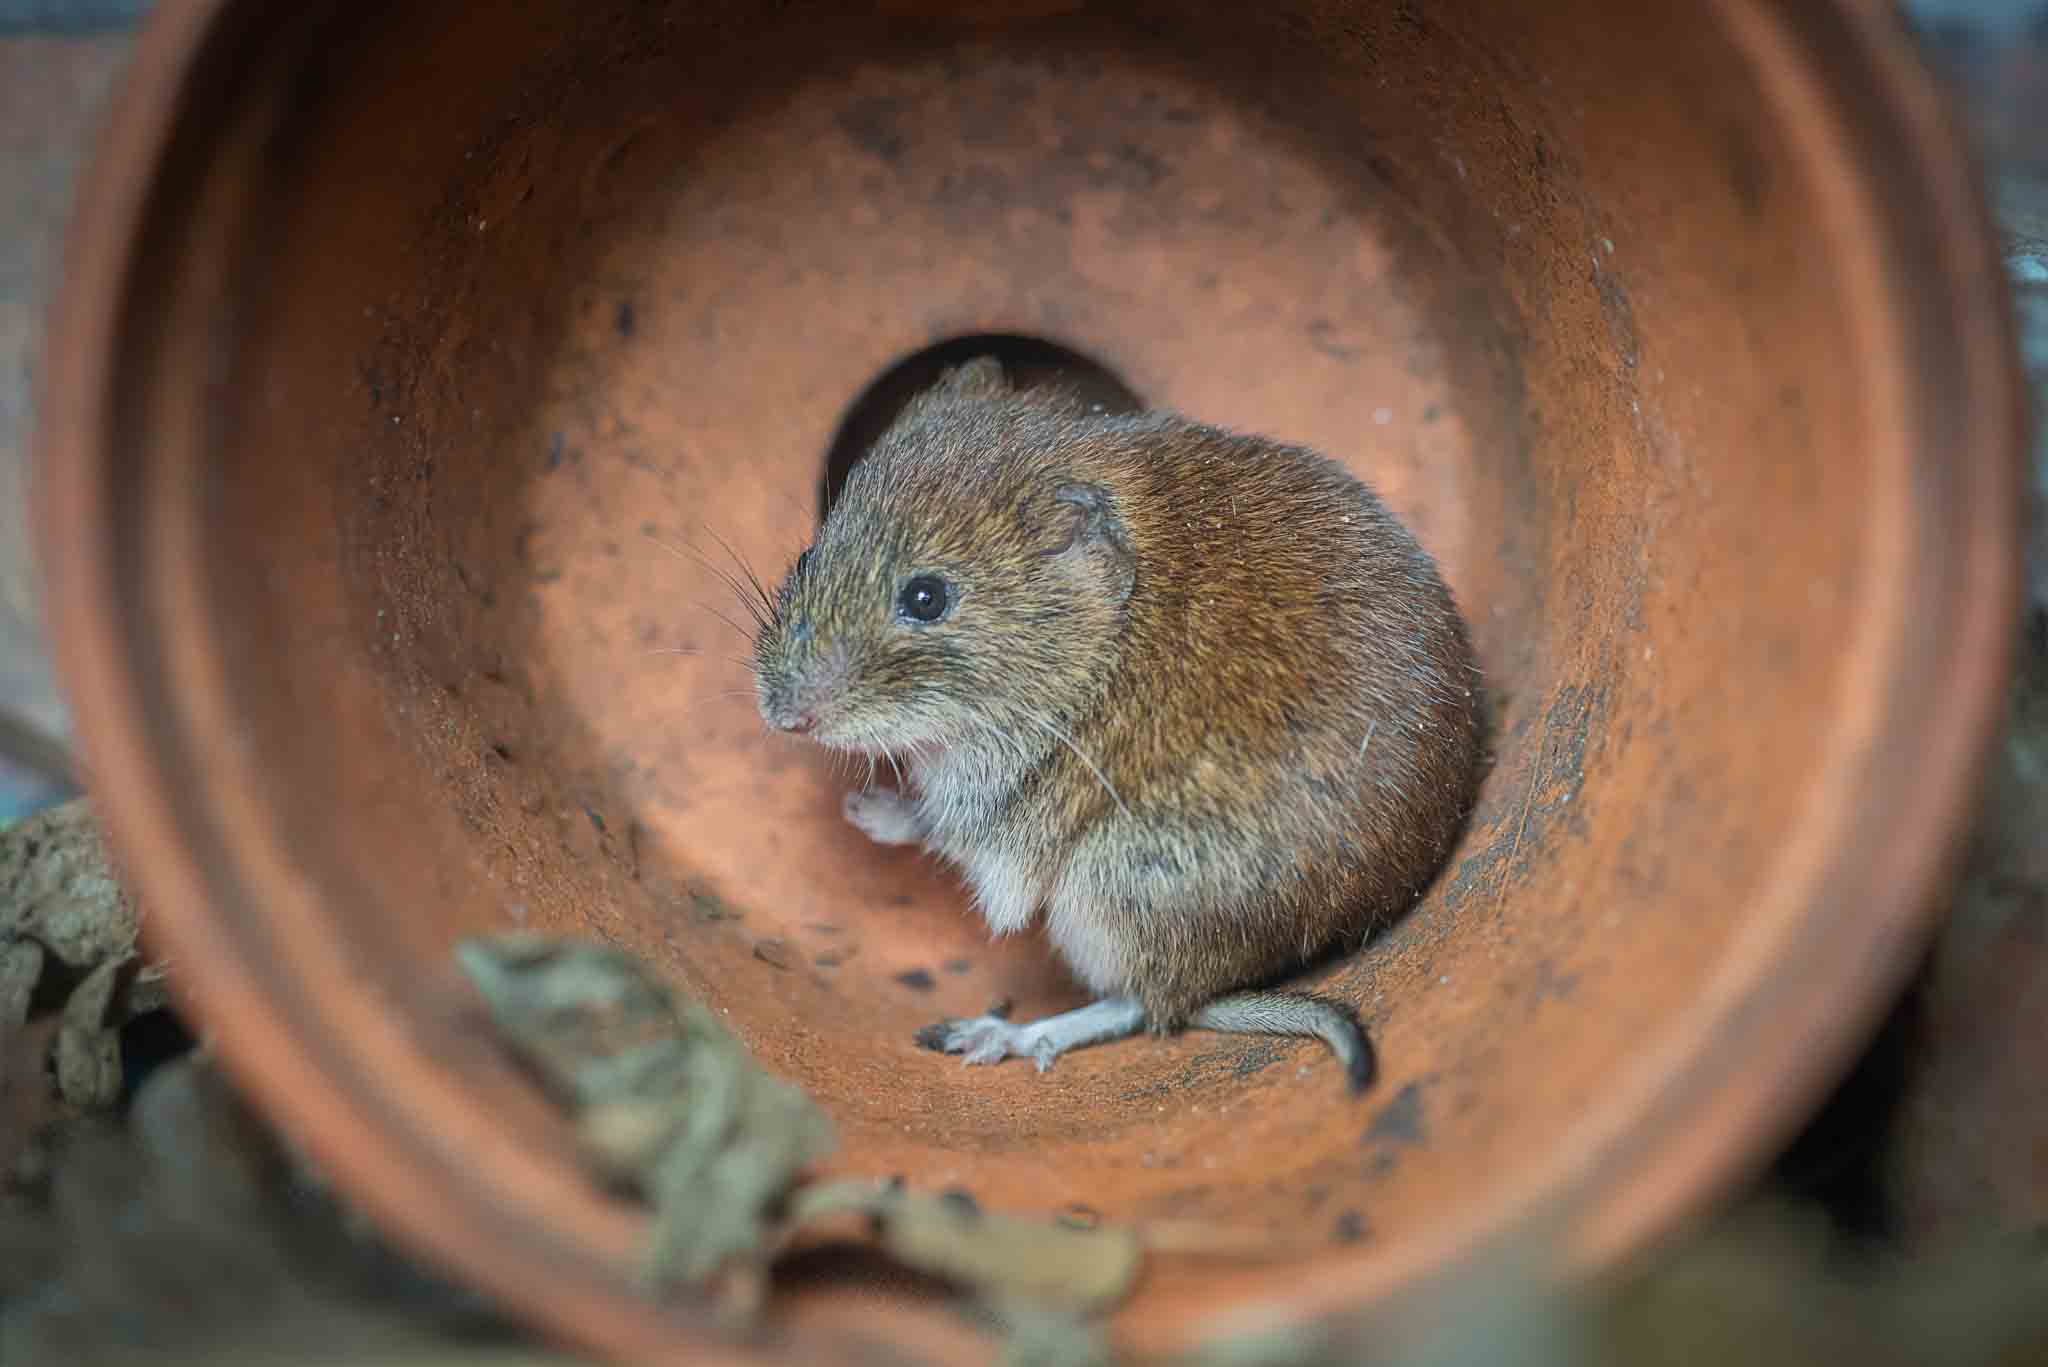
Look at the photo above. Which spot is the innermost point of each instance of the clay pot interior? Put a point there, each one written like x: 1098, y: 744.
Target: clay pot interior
x: 499, y: 304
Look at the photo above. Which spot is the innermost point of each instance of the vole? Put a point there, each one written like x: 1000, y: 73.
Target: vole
x: 1197, y: 697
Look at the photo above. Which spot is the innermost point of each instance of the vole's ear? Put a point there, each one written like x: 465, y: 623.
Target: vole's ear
x: 1096, y: 539
x: 980, y: 378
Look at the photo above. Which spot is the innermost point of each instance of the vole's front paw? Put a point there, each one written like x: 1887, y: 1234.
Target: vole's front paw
x: 885, y: 817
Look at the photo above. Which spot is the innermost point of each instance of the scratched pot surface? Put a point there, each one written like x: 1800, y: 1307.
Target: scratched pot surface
x: 524, y: 300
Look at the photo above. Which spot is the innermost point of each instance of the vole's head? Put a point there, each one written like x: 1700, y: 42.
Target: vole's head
x: 973, y: 575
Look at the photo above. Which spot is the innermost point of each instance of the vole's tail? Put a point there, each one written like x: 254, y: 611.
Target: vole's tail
x: 1295, y: 1013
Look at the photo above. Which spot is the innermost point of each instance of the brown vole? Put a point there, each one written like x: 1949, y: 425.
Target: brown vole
x: 1196, y: 696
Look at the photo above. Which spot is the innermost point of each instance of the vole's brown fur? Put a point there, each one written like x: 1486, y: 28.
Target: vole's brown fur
x: 1196, y: 696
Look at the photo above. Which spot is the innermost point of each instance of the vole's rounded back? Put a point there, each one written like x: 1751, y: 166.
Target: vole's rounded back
x: 1197, y: 695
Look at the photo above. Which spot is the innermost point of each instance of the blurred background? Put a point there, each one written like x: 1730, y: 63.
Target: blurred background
x: 1943, y: 1128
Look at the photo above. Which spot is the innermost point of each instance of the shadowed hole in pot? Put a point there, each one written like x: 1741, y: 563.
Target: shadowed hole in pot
x: 1028, y: 363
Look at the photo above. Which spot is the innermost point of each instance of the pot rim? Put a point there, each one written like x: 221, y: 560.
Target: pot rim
x: 1681, y: 1126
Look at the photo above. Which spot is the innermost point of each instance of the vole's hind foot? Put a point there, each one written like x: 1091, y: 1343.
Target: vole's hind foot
x: 982, y: 1039
x: 885, y: 817
x: 993, y: 1038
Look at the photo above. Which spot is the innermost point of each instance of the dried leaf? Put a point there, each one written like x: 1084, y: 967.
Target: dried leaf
x: 665, y: 1100
x: 21, y: 968
x: 58, y: 889
x: 623, y: 1137
x: 1002, y: 1259
x: 87, y: 1007
x: 25, y: 1100
x: 88, y: 1066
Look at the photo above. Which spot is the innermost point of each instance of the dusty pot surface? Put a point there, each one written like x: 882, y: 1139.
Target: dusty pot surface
x: 396, y: 336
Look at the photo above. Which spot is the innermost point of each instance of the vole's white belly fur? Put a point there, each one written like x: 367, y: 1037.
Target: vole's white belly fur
x: 1007, y: 892
x: 1010, y: 898
x: 1081, y: 934
x: 1011, y: 887
x: 1010, y: 895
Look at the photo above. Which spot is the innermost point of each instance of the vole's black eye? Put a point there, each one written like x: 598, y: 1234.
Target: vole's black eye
x: 924, y: 599
x: 803, y: 558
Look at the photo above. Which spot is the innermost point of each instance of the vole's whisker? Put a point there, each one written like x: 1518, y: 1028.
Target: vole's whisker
x: 694, y: 652
x: 1068, y: 741
x: 724, y: 576
x: 1006, y: 744
x: 1013, y: 745
x: 664, y: 545
x: 791, y: 500
x: 706, y: 607
x: 759, y: 590
x: 747, y: 584
x: 698, y: 704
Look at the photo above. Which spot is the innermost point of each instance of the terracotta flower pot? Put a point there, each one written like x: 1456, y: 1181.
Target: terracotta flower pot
x: 396, y: 335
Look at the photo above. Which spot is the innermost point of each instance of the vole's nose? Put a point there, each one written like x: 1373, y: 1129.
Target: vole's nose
x: 786, y: 714
x: 808, y: 694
